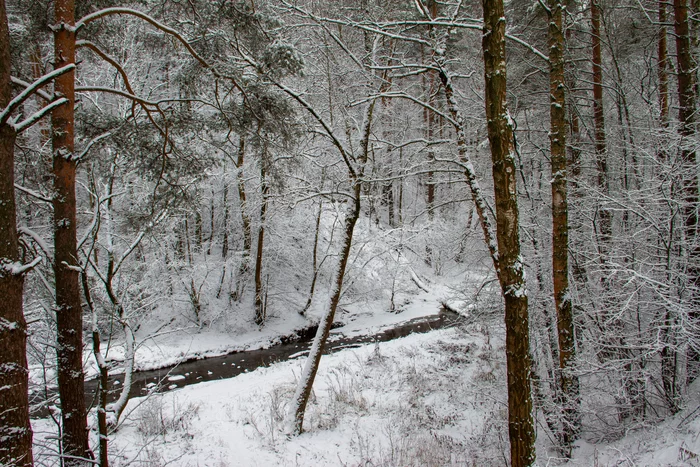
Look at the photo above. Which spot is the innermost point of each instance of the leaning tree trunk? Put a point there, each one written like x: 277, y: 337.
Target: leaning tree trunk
x: 295, y: 417
x: 521, y: 428
x: 69, y: 320
x: 301, y: 396
x: 15, y: 429
x: 560, y: 228
x: 686, y: 115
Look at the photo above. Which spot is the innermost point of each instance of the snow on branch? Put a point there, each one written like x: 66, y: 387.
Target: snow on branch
x: 37, y: 239
x: 45, y: 95
x: 33, y: 194
x: 128, y: 11
x: 17, y: 269
x: 38, y: 115
x: 133, y: 97
x: 31, y: 89
x: 91, y: 144
x: 403, y: 95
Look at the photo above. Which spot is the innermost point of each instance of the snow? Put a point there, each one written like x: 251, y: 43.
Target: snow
x: 367, y: 401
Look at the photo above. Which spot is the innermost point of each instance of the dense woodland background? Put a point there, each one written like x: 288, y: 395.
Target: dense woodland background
x: 225, y: 153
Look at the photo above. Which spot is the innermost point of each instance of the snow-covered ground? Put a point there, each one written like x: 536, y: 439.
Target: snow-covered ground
x: 435, y: 399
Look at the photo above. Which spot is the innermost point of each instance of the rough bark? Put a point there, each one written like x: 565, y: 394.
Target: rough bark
x: 15, y: 429
x: 521, y: 428
x: 560, y: 227
x: 66, y: 268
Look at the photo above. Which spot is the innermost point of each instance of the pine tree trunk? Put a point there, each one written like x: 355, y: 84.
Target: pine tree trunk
x: 69, y: 320
x: 560, y: 228
x: 686, y: 115
x: 521, y: 428
x: 15, y: 429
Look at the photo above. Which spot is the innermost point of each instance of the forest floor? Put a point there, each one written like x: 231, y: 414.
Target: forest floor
x: 434, y: 399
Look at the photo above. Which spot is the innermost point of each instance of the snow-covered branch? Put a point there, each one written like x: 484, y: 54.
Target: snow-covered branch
x: 17, y: 269
x: 37, y: 239
x: 38, y: 115
x: 44, y: 95
x: 31, y: 89
x: 33, y: 194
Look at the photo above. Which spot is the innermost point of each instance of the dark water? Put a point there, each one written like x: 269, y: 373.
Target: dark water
x: 228, y: 366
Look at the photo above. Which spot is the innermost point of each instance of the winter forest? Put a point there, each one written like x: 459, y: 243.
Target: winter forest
x: 349, y: 233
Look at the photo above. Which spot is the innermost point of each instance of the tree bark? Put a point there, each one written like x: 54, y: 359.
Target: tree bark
x: 15, y: 429
x: 560, y: 227
x: 66, y: 267
x: 686, y: 115
x: 605, y: 216
x: 521, y: 428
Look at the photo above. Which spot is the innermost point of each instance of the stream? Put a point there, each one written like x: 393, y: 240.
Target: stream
x: 233, y: 364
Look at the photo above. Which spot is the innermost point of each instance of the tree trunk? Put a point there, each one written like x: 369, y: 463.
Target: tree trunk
x: 245, y: 222
x: 259, y: 305
x: 66, y: 268
x: 686, y: 115
x: 521, y: 426
x: 224, y: 230
x: 295, y: 417
x: 605, y: 216
x: 295, y: 420
x: 560, y: 228
x: 103, y: 390
x: 662, y: 61
x: 15, y: 429
x: 314, y: 265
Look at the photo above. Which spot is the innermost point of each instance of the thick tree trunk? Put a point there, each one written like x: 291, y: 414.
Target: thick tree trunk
x: 15, y: 429
x: 69, y: 320
x: 686, y: 115
x: 560, y: 228
x: 521, y: 428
